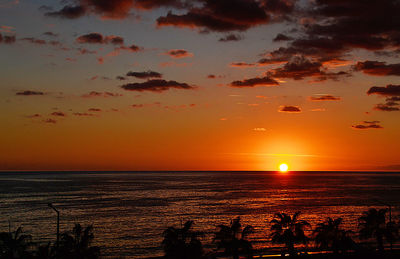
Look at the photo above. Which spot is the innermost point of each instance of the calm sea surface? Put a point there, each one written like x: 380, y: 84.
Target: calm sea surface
x: 130, y: 210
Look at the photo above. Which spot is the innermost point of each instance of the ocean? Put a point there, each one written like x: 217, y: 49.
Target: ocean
x: 130, y: 210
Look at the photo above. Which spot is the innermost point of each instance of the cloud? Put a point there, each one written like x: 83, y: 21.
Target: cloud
x: 389, y: 90
x: 83, y: 114
x: 97, y: 38
x: 282, y: 37
x: 83, y: 51
x: 377, y: 68
x: 257, y: 81
x: 178, y: 53
x: 7, y: 39
x: 368, y: 125
x: 290, y: 109
x: 94, y: 110
x: 387, y: 107
x: 156, y: 85
x: 145, y: 74
x: 300, y: 67
x: 211, y: 76
x: 145, y: 105
x: 36, y: 115
x: 68, y: 12
x: 241, y: 64
x: 107, y: 9
x: 50, y: 121
x: 59, y: 114
x: 220, y: 16
x: 325, y: 98
x: 392, y: 93
x: 50, y: 34
x: 101, y: 94
x: 231, y: 37
x: 30, y: 92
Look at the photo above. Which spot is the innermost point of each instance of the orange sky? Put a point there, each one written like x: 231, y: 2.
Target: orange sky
x: 305, y: 98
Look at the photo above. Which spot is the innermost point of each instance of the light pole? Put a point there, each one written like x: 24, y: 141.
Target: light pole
x: 58, y: 222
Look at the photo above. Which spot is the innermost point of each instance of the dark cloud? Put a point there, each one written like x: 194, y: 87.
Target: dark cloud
x: 179, y: 53
x: 282, y: 37
x: 7, y: 39
x: 377, y: 68
x: 91, y: 38
x: 325, y: 98
x: 50, y: 121
x: 389, y: 90
x: 83, y: 114
x: 145, y: 74
x: 387, y: 107
x: 290, y: 108
x: 300, y: 67
x: 30, y: 92
x: 221, y: 16
x: 101, y: 94
x: 231, y: 37
x: 34, y: 40
x: 51, y: 34
x: 36, y: 115
x: 156, y: 85
x: 84, y: 51
x: 116, y: 40
x: 121, y: 78
x: 97, y: 38
x: 368, y: 125
x: 107, y: 9
x: 59, y: 114
x: 68, y: 12
x: 151, y: 4
x: 392, y: 100
x: 211, y: 76
x: 241, y: 64
x: 279, y: 8
x: 94, y: 110
x: 257, y: 81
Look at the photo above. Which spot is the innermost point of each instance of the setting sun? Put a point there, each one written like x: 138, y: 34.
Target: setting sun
x: 283, y: 168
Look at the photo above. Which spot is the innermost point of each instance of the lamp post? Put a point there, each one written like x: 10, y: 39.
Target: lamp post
x: 58, y: 222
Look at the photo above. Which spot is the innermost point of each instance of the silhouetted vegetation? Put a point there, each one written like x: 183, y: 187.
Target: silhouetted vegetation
x: 75, y: 244
x: 182, y: 243
x: 233, y: 239
x: 289, y: 231
x: 373, y: 224
x: 330, y: 236
x: 15, y: 244
x: 229, y: 240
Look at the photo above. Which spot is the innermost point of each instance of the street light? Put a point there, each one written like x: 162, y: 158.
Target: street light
x: 58, y: 222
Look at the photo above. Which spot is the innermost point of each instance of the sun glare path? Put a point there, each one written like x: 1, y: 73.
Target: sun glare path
x: 283, y: 168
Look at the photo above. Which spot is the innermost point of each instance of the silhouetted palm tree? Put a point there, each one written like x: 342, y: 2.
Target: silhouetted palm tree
x: 233, y: 239
x: 77, y: 244
x: 182, y: 243
x: 329, y: 235
x: 46, y: 251
x: 373, y: 224
x: 289, y: 231
x: 15, y: 244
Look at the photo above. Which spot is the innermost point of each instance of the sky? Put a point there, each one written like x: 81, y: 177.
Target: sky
x: 199, y: 85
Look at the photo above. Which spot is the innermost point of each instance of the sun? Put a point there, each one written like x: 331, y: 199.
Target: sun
x: 283, y: 168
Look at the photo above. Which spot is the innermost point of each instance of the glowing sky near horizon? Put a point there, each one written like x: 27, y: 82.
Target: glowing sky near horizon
x: 199, y: 85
